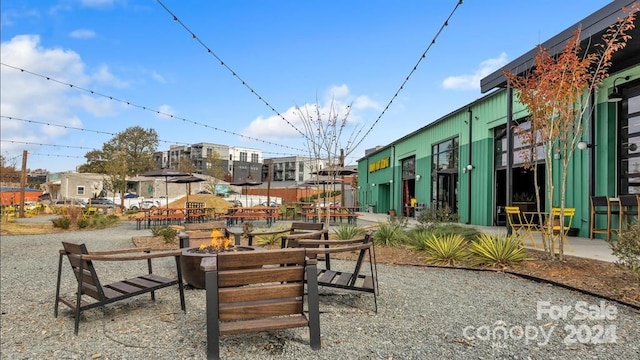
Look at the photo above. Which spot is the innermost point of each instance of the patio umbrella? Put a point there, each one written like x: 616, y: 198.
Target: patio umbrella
x: 166, y: 174
x: 337, y: 171
x: 186, y: 180
x: 246, y: 183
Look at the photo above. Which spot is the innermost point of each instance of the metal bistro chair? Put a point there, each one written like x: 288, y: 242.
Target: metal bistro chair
x: 601, y: 205
x: 629, y: 205
x: 560, y: 227
x: 519, y: 224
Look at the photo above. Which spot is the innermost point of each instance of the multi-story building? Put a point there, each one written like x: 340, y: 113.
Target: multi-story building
x: 222, y: 161
x: 286, y: 171
x: 244, y: 163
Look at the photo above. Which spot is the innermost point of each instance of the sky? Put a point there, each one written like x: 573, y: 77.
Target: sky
x: 74, y: 73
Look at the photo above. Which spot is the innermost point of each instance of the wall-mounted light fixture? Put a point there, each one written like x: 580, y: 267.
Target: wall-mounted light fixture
x: 557, y: 156
x: 584, y: 145
x: 616, y: 96
x: 372, y: 184
x: 391, y: 181
x: 418, y: 177
x: 470, y: 167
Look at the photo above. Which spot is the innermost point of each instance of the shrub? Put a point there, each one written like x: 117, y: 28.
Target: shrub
x: 269, y: 239
x: 389, y: 233
x: 83, y: 223
x: 347, y: 231
x: 168, y: 233
x: 444, y: 250
x: 441, y: 230
x: 62, y: 222
x: 433, y: 215
x: 494, y: 250
x: 627, y: 247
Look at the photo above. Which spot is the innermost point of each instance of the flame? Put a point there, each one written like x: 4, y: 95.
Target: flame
x: 218, y: 241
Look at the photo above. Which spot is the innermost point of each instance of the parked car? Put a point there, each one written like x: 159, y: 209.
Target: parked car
x: 145, y: 205
x: 273, y: 204
x: 103, y: 203
x: 69, y: 202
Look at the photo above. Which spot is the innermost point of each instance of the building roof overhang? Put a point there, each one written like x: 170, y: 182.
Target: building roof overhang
x: 593, y: 26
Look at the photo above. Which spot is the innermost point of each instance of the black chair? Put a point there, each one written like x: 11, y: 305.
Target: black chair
x: 628, y: 209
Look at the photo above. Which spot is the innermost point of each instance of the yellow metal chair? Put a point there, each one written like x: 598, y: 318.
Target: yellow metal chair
x: 520, y: 226
x: 562, y: 227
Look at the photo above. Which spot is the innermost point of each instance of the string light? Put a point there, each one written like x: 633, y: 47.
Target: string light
x: 113, y: 98
x: 233, y: 72
x: 415, y: 67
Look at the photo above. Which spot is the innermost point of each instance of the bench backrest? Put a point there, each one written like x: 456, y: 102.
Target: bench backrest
x: 209, y: 225
x: 253, y: 291
x: 84, y: 271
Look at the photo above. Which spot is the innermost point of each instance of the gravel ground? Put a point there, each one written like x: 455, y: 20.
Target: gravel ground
x: 424, y: 313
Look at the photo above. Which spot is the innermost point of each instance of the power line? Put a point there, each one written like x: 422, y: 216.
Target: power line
x: 233, y: 72
x: 41, y: 144
x: 415, y: 67
x: 129, y: 103
x: 79, y: 129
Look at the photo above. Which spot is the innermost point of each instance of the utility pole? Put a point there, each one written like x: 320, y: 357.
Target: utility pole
x: 342, y: 178
x: 269, y: 163
x: 23, y: 183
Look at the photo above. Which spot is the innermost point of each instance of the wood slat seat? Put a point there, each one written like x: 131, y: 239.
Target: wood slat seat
x: 254, y: 291
x: 353, y: 280
x: 89, y: 285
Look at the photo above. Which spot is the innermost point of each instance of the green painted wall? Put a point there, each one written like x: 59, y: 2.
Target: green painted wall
x: 488, y: 113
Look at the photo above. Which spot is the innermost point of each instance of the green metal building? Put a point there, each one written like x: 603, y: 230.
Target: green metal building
x: 468, y: 159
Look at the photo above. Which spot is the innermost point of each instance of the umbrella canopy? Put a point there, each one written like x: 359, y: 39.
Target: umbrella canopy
x: 166, y: 173
x: 337, y: 171
x: 186, y: 180
x: 245, y: 183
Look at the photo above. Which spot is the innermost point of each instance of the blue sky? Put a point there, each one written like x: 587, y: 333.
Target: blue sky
x: 291, y: 53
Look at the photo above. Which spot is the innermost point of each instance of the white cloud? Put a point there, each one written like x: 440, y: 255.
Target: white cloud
x: 30, y: 97
x: 275, y: 127
x: 97, y: 3
x: 472, y: 81
x: 165, y: 109
x: 82, y: 34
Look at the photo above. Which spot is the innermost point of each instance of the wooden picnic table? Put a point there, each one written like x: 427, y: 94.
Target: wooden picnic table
x: 267, y: 213
x: 315, y: 213
x: 166, y: 216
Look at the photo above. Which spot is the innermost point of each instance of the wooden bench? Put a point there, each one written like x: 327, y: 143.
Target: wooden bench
x: 255, y: 291
x: 89, y: 285
x: 296, y: 228
x: 353, y: 280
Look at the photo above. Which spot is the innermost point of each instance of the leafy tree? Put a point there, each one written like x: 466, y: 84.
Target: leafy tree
x: 556, y: 94
x: 216, y: 169
x: 128, y: 153
x: 9, y: 173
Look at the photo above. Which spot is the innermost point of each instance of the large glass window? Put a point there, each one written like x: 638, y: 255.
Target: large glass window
x: 444, y: 174
x: 629, y: 145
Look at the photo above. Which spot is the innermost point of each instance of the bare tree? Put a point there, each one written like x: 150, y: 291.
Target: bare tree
x: 324, y: 129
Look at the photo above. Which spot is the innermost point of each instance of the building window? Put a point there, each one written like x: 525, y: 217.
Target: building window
x: 80, y: 190
x: 444, y: 170
x: 243, y: 156
x: 254, y: 158
x: 629, y: 145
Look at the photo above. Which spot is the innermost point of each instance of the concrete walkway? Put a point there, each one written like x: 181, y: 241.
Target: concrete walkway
x: 597, y: 249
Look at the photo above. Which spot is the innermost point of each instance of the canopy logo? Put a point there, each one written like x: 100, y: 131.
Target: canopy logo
x: 379, y: 165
